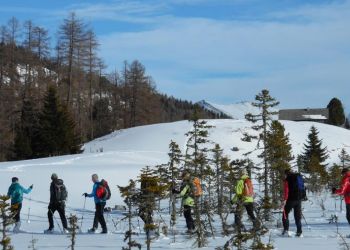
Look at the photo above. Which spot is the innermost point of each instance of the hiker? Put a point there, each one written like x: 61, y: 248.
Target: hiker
x: 294, y: 193
x: 15, y: 192
x: 100, y: 203
x: 344, y: 190
x: 189, y: 189
x: 244, y: 198
x: 58, y: 197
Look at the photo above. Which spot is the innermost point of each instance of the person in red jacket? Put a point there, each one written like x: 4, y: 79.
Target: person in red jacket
x: 345, y: 190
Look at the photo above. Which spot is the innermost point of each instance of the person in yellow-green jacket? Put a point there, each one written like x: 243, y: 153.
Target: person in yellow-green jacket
x: 244, y: 197
x: 186, y: 193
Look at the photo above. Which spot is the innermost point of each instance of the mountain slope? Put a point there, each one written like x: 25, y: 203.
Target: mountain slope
x: 235, y: 111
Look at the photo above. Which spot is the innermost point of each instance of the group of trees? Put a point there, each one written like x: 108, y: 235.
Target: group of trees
x: 219, y: 174
x: 97, y: 101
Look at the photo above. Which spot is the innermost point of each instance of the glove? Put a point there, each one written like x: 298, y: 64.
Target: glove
x: 31, y: 186
x: 334, y: 190
x: 85, y: 194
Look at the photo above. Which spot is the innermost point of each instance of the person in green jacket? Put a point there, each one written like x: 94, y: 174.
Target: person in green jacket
x: 186, y: 193
x: 244, y: 198
x: 15, y: 192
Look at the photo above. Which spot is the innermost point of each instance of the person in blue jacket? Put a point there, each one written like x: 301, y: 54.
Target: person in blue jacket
x: 15, y: 192
x: 100, y: 204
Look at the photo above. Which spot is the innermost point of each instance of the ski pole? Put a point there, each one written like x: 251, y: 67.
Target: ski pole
x: 82, y: 216
x: 305, y: 221
x: 30, y: 199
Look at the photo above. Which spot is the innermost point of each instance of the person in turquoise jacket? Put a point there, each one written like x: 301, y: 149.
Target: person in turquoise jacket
x: 99, y: 206
x: 16, y: 192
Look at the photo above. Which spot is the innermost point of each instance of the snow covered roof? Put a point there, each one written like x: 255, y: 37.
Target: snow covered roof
x: 315, y: 117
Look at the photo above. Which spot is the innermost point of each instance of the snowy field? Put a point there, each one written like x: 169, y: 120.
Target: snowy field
x: 120, y: 156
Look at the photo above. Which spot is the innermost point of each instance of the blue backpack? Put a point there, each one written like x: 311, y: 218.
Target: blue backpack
x: 297, y: 187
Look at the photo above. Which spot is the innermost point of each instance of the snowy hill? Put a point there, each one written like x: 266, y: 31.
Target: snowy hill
x: 119, y: 156
x: 236, y: 111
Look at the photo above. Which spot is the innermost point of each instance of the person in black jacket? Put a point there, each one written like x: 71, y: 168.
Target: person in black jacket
x: 58, y: 196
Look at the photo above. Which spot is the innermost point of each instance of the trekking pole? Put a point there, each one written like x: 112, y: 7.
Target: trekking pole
x: 82, y: 215
x: 29, y: 204
x: 59, y: 227
x: 308, y: 227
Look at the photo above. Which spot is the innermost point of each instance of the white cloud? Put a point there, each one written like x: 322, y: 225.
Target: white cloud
x: 302, y: 58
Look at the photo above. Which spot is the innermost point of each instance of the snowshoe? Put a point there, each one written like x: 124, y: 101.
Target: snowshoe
x: 286, y: 233
x: 299, y: 234
x: 49, y: 231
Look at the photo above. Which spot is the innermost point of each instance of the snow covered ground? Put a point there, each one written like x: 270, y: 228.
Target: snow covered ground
x: 120, y: 156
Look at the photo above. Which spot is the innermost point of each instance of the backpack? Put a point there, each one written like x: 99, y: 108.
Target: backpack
x: 197, y: 188
x: 296, y: 186
x: 103, y: 191
x: 60, y: 191
x: 248, y: 188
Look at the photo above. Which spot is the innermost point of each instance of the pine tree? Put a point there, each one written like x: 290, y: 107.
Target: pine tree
x: 334, y: 176
x: 129, y: 193
x: 73, y: 223
x: 261, y: 122
x: 25, y: 132
x: 344, y: 158
x: 55, y: 134
x: 175, y: 157
x: 6, y: 217
x: 314, y: 157
x: 279, y: 154
x: 336, y: 112
x: 196, y: 143
x: 151, y: 191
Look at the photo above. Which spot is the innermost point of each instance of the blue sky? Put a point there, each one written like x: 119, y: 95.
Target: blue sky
x: 223, y: 51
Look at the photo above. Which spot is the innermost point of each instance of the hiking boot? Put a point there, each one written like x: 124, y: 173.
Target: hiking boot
x: 17, y: 227
x: 92, y: 230
x: 49, y: 231
x: 299, y: 234
x: 104, y: 231
x: 285, y: 233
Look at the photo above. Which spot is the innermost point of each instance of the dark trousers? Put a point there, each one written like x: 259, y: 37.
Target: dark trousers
x: 60, y: 208
x: 348, y: 212
x: 296, y: 206
x: 249, y: 207
x: 16, y: 210
x: 99, y: 218
x: 188, y: 217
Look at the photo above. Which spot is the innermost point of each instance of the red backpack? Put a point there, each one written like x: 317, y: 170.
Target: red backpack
x: 103, y: 191
x: 248, y: 188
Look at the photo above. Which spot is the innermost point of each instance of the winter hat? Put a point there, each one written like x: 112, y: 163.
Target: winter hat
x: 54, y: 176
x: 345, y: 170
x: 244, y: 172
x: 287, y: 171
x: 14, y: 179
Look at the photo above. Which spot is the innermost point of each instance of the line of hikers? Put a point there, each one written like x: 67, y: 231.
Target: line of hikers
x: 294, y: 194
x: 58, y: 197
